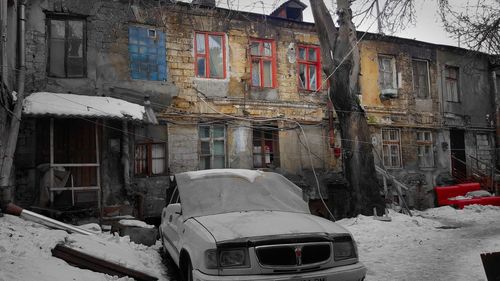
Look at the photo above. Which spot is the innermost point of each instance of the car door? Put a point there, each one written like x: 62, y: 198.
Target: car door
x: 171, y: 225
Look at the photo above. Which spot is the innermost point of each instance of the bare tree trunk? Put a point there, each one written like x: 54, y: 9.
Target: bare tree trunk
x: 6, y: 167
x: 340, y: 54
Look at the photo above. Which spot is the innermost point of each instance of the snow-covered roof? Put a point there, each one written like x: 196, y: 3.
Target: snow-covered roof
x: 67, y: 105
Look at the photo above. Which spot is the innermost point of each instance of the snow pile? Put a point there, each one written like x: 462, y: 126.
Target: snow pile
x: 136, y: 223
x: 25, y: 253
x: 437, y: 244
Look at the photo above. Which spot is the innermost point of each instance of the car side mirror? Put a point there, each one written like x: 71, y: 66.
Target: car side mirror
x: 175, y: 208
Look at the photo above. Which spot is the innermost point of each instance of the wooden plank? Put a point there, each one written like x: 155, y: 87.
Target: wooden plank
x: 76, y: 165
x: 51, y: 175
x: 491, y: 264
x: 86, y: 261
x: 75, y: 188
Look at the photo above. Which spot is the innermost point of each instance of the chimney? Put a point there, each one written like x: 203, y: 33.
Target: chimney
x: 291, y: 10
x: 207, y: 3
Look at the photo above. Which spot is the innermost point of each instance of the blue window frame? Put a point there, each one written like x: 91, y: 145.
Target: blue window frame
x: 146, y: 48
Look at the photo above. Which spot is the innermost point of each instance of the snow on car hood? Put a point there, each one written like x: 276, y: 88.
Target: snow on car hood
x: 265, y: 223
x: 219, y: 191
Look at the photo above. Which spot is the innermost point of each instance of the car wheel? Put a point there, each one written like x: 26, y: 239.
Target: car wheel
x: 162, y: 242
x: 187, y: 273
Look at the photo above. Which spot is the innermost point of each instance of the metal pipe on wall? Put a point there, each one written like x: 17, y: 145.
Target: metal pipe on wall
x: 5, y: 189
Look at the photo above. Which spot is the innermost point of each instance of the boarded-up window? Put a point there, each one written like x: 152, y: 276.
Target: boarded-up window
x: 67, y: 50
x: 150, y: 159
x: 387, y: 74
x: 212, y: 146
x: 146, y: 49
x: 451, y: 83
x: 391, y: 148
x: 265, y: 148
x: 425, y: 149
x: 420, y: 79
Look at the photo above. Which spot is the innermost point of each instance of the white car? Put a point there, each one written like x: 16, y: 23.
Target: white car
x: 231, y: 224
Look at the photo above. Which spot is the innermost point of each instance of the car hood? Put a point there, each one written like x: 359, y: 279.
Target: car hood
x: 239, y: 225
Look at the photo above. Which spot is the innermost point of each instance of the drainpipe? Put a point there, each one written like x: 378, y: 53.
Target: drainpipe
x: 126, y: 156
x: 496, y: 94
x: 5, y: 189
x: 3, y: 41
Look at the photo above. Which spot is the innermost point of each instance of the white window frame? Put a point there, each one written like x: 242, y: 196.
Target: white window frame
x: 427, y: 78
x: 211, y: 139
x: 388, y: 91
x: 424, y: 140
x: 389, y: 143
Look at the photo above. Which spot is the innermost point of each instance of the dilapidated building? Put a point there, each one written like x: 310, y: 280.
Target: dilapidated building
x: 201, y: 87
x: 430, y: 108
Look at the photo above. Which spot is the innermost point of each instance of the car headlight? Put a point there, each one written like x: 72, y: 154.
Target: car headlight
x: 344, y: 248
x: 227, y: 258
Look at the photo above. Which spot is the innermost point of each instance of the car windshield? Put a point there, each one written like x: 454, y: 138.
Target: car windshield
x: 217, y: 191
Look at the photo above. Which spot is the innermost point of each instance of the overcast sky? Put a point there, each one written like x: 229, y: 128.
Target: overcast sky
x: 428, y: 27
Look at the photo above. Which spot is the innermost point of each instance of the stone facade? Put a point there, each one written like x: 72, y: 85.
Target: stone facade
x: 295, y: 125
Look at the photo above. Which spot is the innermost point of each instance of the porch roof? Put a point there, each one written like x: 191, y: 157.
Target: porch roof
x: 71, y: 105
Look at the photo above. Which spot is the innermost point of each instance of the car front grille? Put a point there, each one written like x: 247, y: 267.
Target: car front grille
x: 294, y: 255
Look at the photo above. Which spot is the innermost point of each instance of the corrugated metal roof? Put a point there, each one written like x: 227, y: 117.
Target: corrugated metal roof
x: 71, y: 105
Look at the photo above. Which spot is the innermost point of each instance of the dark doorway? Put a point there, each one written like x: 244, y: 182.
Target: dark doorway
x: 458, y: 157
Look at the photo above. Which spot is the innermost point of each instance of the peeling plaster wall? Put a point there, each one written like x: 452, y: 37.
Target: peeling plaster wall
x: 183, y: 148
x: 475, y: 110
x: 107, y: 58
x: 107, y: 73
x: 405, y: 112
x: 240, y: 146
x: 233, y: 95
x: 475, y: 94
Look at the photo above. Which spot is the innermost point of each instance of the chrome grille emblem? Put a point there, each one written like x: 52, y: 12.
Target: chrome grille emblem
x: 298, y: 255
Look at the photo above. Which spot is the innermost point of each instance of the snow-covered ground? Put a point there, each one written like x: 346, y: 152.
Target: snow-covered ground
x: 437, y: 244
x: 25, y: 253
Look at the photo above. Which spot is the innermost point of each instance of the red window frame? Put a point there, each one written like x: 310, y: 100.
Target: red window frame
x: 309, y: 63
x: 261, y: 58
x: 206, y: 55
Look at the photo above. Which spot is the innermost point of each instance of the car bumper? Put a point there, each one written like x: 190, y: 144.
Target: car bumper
x: 354, y: 272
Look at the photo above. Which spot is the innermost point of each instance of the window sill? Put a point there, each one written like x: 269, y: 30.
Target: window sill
x: 57, y: 77
x: 152, y: 176
x: 225, y: 79
x: 427, y: 168
x: 263, y: 88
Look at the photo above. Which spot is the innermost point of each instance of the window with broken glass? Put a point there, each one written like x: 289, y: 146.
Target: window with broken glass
x: 210, y: 55
x: 391, y: 148
x: 146, y: 47
x: 420, y: 79
x: 66, y: 45
x: 212, y: 146
x: 265, y: 148
x: 263, y: 67
x: 451, y: 83
x: 150, y: 159
x: 387, y: 73
x: 308, y: 58
x: 425, y: 149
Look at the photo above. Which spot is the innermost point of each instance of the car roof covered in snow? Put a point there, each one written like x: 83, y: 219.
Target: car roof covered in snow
x: 217, y: 191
